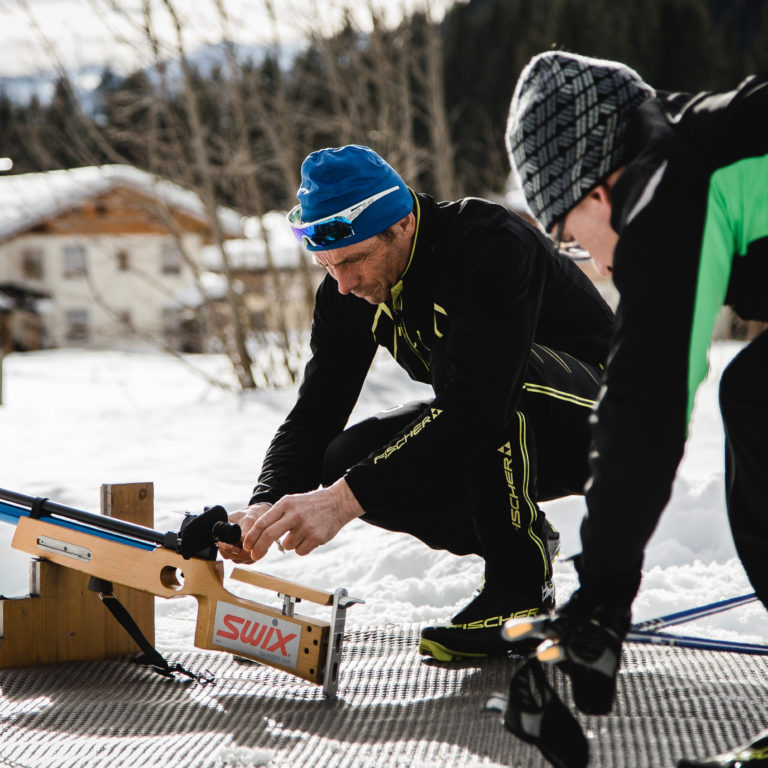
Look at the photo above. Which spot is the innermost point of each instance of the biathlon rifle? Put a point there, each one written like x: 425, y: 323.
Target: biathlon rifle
x: 175, y: 564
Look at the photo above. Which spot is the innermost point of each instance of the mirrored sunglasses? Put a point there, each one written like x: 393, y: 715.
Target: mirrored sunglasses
x: 330, y: 229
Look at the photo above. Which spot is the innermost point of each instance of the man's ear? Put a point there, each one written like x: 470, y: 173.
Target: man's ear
x: 601, y: 194
x: 407, y: 224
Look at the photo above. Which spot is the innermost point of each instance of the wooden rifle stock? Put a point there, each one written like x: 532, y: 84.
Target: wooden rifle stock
x: 303, y: 646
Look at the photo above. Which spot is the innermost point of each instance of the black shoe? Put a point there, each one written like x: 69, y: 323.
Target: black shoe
x: 536, y: 714
x: 753, y: 754
x: 586, y: 642
x: 475, y: 631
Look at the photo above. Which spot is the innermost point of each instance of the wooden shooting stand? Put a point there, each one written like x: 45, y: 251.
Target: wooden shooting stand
x: 61, y: 619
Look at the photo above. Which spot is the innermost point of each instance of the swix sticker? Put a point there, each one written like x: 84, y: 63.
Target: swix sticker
x: 256, y: 634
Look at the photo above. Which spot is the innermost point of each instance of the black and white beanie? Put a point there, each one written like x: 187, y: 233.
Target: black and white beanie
x: 566, y: 127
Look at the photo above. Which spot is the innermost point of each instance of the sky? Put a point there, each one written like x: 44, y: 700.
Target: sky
x: 38, y: 34
x: 72, y: 420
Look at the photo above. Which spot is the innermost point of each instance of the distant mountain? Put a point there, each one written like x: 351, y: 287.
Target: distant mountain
x: 40, y: 84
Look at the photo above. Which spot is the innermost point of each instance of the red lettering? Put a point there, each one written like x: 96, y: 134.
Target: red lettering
x: 231, y: 622
x: 255, y: 634
x: 266, y: 639
x: 281, y: 643
x: 248, y: 637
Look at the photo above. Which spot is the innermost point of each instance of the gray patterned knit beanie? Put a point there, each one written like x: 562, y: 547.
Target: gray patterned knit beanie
x: 566, y: 127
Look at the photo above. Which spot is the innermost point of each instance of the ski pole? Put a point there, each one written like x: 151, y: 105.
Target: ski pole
x: 691, y: 614
x: 700, y: 643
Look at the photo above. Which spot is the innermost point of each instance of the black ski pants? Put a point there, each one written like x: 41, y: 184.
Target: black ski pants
x: 491, y: 509
x: 744, y: 407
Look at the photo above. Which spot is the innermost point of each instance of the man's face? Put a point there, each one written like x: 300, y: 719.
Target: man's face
x: 370, y: 268
x: 589, y: 224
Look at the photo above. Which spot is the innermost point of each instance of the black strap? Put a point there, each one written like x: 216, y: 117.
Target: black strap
x: 37, y: 507
x: 150, y: 656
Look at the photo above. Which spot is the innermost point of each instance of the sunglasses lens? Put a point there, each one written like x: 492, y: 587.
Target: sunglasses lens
x: 331, y: 231
x: 325, y: 232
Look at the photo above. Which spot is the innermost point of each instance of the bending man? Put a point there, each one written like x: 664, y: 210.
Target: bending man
x: 669, y: 194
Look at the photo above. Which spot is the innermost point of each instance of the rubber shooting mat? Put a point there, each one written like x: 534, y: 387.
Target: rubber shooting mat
x: 394, y: 708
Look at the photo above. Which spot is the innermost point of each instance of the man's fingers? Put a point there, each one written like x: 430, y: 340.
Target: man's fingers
x: 300, y: 541
x: 258, y: 527
x: 305, y: 546
x: 267, y: 530
x: 235, y: 553
x: 246, y: 518
x: 268, y: 537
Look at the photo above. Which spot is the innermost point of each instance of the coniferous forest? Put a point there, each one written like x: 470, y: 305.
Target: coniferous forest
x: 430, y: 96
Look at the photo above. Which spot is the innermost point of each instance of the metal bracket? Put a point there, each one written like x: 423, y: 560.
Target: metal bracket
x: 289, y: 603
x: 64, y: 548
x: 341, y: 601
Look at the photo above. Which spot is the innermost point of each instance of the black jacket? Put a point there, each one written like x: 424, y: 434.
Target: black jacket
x: 481, y: 286
x: 691, y: 210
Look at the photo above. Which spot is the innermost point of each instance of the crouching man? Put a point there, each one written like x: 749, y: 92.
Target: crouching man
x: 471, y: 299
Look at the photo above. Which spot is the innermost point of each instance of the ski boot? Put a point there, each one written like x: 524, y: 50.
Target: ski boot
x: 586, y: 643
x: 750, y: 755
x: 475, y: 632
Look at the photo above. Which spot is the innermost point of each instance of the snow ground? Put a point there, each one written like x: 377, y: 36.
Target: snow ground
x: 74, y: 419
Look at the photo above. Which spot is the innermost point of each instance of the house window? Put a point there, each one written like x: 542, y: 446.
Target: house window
x: 123, y: 261
x: 77, y: 325
x: 32, y: 264
x: 170, y: 321
x: 171, y: 261
x: 258, y: 320
x: 74, y: 261
x: 125, y: 320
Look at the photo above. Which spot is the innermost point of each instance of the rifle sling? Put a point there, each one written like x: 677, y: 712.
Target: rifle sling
x: 150, y: 656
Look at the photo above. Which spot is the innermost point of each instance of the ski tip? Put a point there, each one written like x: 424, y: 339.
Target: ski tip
x: 551, y: 652
x: 518, y: 629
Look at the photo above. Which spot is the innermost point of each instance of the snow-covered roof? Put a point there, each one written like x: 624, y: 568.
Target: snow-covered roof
x: 212, y: 286
x: 250, y: 253
x: 30, y: 198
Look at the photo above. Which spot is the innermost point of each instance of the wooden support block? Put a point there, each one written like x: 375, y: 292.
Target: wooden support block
x: 282, y: 586
x: 62, y: 620
x: 134, y: 503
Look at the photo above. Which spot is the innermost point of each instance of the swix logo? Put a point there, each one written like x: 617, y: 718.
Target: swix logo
x: 256, y: 634
x: 252, y: 633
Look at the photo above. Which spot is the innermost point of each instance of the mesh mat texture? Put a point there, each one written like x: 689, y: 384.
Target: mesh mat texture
x: 394, y: 708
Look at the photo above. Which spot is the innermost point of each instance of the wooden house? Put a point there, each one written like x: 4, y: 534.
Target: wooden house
x: 98, y: 255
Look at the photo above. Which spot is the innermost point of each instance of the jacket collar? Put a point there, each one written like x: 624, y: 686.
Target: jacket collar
x: 397, y: 288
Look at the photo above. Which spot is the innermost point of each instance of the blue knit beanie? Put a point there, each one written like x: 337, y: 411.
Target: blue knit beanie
x: 567, y: 128
x: 336, y: 178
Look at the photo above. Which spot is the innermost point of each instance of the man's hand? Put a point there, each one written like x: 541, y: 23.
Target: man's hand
x: 246, y: 518
x: 309, y: 519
